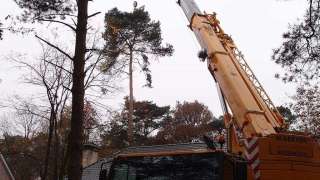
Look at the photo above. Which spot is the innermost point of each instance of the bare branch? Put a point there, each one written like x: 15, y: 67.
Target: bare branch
x: 59, y: 66
x: 94, y: 14
x: 92, y: 50
x: 28, y: 110
x: 61, y: 14
x: 74, y: 22
x: 55, y: 47
x: 60, y: 22
x: 92, y: 67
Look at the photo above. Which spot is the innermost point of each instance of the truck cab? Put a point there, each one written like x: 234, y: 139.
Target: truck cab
x: 193, y: 161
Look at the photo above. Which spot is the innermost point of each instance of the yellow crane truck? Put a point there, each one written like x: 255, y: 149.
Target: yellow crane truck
x: 258, y: 145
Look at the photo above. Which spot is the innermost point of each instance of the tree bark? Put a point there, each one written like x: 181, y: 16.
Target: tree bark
x: 76, y: 134
x: 130, y: 119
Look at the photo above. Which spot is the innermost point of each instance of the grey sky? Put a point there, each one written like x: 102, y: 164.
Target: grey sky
x: 255, y: 25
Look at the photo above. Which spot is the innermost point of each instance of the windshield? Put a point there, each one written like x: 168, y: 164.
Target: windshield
x: 182, y: 167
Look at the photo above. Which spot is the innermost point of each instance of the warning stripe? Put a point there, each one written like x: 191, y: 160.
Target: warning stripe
x: 252, y: 155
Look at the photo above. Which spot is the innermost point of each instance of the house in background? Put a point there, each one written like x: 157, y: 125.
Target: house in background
x: 89, y: 154
x: 5, y: 173
x: 91, y: 162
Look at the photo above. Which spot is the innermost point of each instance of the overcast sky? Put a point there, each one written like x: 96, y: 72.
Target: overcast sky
x: 255, y: 25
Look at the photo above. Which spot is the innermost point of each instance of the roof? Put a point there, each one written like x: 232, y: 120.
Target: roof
x: 92, y: 147
x: 168, y: 149
x: 92, y: 172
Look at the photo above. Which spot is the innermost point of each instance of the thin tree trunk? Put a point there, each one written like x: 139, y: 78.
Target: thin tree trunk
x: 63, y: 164
x: 56, y: 152
x: 49, y: 142
x: 65, y: 157
x: 63, y: 140
x: 76, y: 134
x: 130, y: 120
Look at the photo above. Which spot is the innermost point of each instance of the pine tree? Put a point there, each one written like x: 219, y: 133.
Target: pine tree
x: 131, y: 39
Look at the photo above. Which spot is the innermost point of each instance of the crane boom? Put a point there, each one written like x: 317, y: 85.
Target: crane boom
x: 253, y: 111
x: 255, y: 127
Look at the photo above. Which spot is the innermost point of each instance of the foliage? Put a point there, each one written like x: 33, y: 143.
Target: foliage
x: 289, y: 117
x: 299, y: 54
x: 34, y: 10
x: 115, y: 137
x: 148, y: 118
x: 190, y: 121
x: 134, y: 33
x: 307, y: 109
x: 192, y: 113
x: 218, y: 124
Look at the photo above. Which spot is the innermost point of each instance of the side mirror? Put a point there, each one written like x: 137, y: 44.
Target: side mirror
x: 103, y: 174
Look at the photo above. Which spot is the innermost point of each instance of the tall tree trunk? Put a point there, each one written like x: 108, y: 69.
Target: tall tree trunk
x: 130, y: 120
x: 77, y: 115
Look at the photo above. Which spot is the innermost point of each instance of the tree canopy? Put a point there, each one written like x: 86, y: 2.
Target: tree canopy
x: 136, y: 34
x: 307, y: 109
x: 192, y: 113
x: 147, y: 118
x: 299, y: 53
x: 289, y: 117
x: 155, y: 124
x: 38, y: 10
x: 189, y: 121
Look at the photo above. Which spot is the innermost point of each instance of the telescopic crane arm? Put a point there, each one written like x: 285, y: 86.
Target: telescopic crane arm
x: 252, y: 110
x: 255, y: 126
